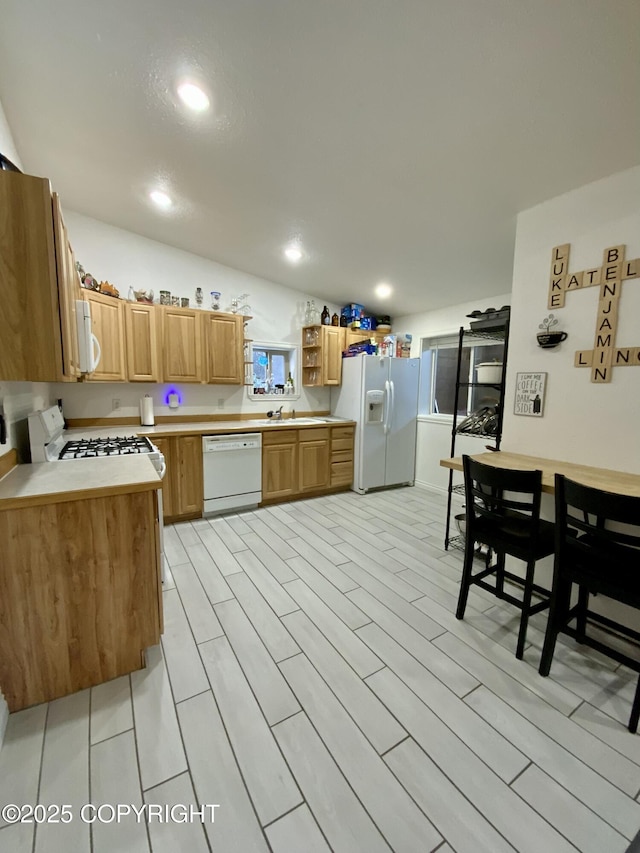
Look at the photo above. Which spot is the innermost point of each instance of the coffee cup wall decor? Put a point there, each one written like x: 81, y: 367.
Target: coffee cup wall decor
x: 550, y: 339
x: 547, y: 337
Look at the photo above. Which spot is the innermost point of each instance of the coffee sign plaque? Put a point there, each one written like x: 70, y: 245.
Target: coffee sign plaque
x: 530, y: 390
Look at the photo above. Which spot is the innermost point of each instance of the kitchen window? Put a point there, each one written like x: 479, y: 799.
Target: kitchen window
x: 439, y: 361
x: 271, y: 366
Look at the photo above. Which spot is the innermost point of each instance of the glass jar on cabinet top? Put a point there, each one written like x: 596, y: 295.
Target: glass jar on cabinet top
x: 311, y: 337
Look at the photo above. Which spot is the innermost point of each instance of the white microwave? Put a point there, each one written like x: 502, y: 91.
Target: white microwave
x: 88, y: 344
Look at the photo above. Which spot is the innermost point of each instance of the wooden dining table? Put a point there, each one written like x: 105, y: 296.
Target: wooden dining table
x: 620, y: 482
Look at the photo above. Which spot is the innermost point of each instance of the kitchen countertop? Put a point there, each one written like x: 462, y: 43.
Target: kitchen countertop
x: 73, y: 480
x: 82, y: 479
x: 167, y: 430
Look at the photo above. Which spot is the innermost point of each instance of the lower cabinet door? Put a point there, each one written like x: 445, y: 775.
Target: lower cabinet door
x: 314, y: 469
x: 279, y: 470
x: 189, y: 487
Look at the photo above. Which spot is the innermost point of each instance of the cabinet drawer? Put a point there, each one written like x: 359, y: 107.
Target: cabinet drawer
x: 314, y: 434
x: 341, y: 473
x: 341, y: 456
x: 342, y: 432
x: 279, y: 436
x: 342, y: 444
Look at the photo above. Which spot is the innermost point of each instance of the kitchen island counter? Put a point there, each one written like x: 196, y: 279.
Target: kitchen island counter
x: 75, y: 480
x: 80, y: 585
x: 620, y: 482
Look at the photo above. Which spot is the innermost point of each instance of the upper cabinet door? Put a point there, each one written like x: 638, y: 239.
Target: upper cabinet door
x: 68, y: 292
x: 182, y: 345
x: 107, y: 321
x: 223, y: 334
x: 30, y: 345
x: 143, y: 360
x: 332, y: 346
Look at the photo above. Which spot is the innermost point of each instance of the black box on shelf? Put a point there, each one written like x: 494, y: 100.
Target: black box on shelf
x: 485, y: 321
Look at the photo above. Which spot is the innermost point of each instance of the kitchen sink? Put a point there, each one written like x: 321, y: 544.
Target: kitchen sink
x: 293, y: 422
x: 289, y: 422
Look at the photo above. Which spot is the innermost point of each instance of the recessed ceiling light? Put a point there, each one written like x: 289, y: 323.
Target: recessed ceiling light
x: 383, y: 290
x: 193, y: 97
x: 293, y: 253
x: 161, y: 199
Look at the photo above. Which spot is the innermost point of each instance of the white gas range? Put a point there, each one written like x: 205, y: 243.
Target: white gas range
x: 50, y: 444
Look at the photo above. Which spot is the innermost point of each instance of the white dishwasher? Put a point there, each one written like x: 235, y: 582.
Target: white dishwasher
x: 232, y: 466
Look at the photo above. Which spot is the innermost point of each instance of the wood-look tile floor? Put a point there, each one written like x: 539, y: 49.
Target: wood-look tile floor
x: 314, y: 683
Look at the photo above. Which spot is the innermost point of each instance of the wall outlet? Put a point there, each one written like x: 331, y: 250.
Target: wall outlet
x: 115, y: 403
x: 221, y: 402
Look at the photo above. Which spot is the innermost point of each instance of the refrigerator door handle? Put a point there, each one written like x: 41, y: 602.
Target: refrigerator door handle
x: 392, y: 405
x: 387, y: 406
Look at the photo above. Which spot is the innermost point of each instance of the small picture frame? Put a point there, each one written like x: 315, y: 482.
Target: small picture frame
x: 530, y: 393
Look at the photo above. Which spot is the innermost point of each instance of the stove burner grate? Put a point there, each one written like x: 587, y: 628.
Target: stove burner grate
x: 90, y: 448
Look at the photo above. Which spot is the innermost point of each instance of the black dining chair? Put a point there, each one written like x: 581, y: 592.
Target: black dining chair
x: 502, y: 512
x: 598, y: 549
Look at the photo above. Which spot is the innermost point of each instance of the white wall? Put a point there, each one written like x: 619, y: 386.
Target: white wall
x: 7, y: 145
x: 126, y: 259
x: 434, y: 433
x: 593, y: 424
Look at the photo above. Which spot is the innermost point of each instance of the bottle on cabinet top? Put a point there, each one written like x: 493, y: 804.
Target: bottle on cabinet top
x: 325, y: 317
x: 335, y: 320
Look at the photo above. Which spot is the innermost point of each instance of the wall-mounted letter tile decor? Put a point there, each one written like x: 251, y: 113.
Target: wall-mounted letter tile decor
x: 605, y: 355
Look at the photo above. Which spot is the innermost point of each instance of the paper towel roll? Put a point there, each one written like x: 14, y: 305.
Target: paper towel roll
x: 146, y: 411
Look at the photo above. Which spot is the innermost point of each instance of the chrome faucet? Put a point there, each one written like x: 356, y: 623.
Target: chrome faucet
x: 277, y: 414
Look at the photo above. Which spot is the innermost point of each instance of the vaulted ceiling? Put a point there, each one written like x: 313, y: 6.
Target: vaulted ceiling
x: 395, y: 139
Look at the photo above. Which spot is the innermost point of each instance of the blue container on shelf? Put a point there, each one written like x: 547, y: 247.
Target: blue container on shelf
x: 353, y: 311
x: 368, y: 324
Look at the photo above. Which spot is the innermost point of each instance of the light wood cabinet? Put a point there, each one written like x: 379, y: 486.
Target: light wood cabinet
x: 224, y: 358
x: 306, y: 461
x: 295, y: 462
x: 187, y: 463
x: 279, y: 464
x: 182, y: 345
x: 313, y: 459
x: 358, y: 335
x: 142, y: 342
x: 322, y: 355
x: 355, y: 336
x: 86, y: 615
x: 342, y: 448
x: 332, y: 346
x: 182, y: 487
x: 107, y: 322
x: 69, y: 290
x: 31, y: 339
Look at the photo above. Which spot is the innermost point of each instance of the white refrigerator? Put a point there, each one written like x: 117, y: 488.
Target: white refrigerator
x: 381, y: 395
